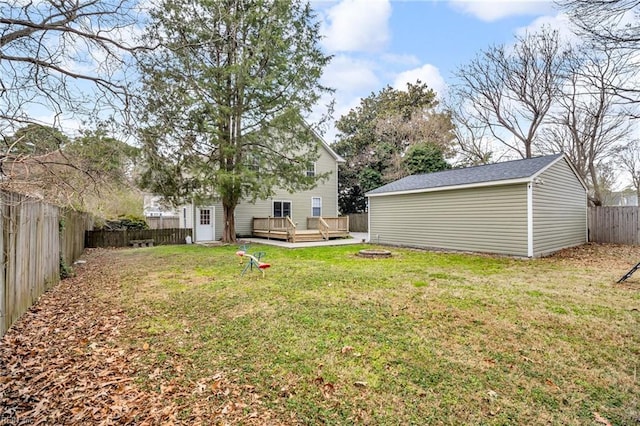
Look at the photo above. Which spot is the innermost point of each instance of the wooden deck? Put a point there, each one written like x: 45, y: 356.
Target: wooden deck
x: 318, y: 228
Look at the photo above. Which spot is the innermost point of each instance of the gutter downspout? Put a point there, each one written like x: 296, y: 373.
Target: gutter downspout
x: 530, y: 219
x: 368, y: 200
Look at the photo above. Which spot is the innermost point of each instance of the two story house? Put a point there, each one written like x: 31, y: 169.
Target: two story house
x: 301, y: 207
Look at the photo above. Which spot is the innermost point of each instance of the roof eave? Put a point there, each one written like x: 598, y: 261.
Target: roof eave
x: 571, y: 166
x: 451, y: 187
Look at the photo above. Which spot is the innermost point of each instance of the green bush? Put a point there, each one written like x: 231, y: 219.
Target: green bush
x: 126, y: 222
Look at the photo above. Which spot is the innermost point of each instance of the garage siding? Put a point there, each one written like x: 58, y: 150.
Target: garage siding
x: 559, y: 210
x: 490, y: 219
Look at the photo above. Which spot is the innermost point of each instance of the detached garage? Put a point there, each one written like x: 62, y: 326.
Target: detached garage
x: 527, y: 208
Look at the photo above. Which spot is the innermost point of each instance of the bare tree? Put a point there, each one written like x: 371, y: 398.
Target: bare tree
x: 470, y: 134
x: 628, y: 158
x: 587, y: 122
x: 616, y: 25
x: 61, y: 60
x: 607, y: 21
x: 512, y: 88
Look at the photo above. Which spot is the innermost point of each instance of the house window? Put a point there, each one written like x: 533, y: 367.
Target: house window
x: 311, y: 169
x: 281, y: 208
x: 184, y: 216
x: 316, y: 206
x: 253, y: 164
x: 205, y: 217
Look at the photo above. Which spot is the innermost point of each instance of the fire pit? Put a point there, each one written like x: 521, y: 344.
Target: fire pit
x: 375, y: 254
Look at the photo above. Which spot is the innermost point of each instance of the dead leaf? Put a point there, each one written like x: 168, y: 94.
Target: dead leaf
x: 215, y: 386
x: 551, y: 384
x: 360, y: 384
x: 599, y: 419
x: 145, y: 346
x: 346, y: 349
x: 328, y: 389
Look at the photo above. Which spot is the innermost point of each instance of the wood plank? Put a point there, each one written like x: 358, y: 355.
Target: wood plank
x: 614, y: 224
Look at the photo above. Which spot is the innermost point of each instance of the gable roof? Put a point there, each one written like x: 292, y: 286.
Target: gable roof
x: 331, y: 152
x: 324, y: 144
x: 508, y: 172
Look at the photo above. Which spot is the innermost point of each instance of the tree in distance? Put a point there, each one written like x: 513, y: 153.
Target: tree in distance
x: 391, y: 134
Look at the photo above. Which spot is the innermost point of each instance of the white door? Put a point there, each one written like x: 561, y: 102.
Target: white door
x: 204, y: 223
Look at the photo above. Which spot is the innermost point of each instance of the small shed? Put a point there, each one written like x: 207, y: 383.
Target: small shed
x: 527, y: 208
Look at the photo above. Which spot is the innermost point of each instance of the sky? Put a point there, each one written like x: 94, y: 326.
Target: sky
x: 376, y: 43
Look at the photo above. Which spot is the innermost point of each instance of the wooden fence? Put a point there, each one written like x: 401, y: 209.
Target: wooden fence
x: 167, y: 222
x: 73, y: 225
x: 123, y: 238
x: 35, y: 237
x: 359, y: 222
x: 620, y: 225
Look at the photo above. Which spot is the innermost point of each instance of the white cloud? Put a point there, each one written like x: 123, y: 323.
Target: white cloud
x: 357, y: 26
x: 400, y: 59
x: 427, y: 74
x: 346, y: 74
x: 559, y: 22
x: 494, y: 10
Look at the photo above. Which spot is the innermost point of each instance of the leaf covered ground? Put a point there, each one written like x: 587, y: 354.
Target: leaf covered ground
x: 174, y: 335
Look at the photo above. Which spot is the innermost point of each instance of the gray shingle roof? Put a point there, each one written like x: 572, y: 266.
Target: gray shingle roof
x: 508, y: 170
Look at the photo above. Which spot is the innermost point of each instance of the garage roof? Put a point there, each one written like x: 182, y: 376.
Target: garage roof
x: 491, y: 174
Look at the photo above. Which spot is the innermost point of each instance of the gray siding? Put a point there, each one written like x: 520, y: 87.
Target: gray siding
x: 559, y: 210
x: 300, y: 201
x: 489, y: 219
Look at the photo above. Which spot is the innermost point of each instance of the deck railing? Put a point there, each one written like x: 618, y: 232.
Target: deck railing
x: 334, y: 224
x: 284, y: 227
x: 323, y: 227
x: 291, y: 230
x: 277, y: 224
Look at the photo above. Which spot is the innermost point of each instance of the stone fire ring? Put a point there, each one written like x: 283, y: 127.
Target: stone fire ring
x: 375, y: 254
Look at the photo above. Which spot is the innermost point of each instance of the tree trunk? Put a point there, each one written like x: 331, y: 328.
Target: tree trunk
x: 229, y: 232
x: 597, y: 193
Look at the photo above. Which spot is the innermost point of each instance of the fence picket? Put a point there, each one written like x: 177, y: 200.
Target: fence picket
x: 614, y: 224
x: 31, y: 241
x: 103, y: 238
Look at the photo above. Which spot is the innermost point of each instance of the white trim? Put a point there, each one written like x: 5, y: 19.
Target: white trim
x: 530, y: 219
x: 315, y: 171
x: 319, y: 198
x: 573, y: 169
x: 197, y: 216
x: 368, y: 201
x: 337, y: 189
x: 450, y: 187
x: 276, y: 200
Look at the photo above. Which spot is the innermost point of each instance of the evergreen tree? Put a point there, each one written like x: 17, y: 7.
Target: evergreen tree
x: 223, y: 100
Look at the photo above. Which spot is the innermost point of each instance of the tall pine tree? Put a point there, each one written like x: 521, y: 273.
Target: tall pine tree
x: 224, y: 97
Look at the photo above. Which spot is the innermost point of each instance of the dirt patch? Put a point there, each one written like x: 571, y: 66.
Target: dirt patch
x: 601, y: 256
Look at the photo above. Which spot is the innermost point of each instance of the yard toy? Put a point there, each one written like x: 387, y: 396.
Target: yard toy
x: 254, y: 260
x: 241, y: 251
x: 628, y: 274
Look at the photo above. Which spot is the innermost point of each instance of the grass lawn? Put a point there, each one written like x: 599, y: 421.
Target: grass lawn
x: 421, y: 338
